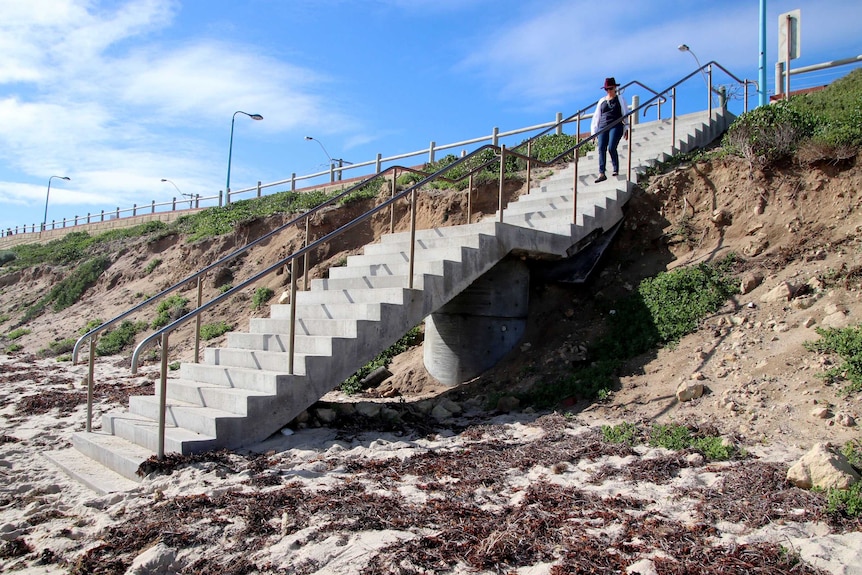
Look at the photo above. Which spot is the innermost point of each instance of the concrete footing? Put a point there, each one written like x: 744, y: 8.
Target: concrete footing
x: 472, y: 332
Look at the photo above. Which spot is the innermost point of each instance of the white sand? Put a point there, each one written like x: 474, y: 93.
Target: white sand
x: 57, y: 516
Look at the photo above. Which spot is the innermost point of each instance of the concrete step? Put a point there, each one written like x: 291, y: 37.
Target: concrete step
x: 251, y: 379
x: 229, y: 399
x: 200, y: 419
x: 120, y: 455
x: 278, y: 343
x: 304, y: 326
x: 144, y: 431
x: 335, y: 311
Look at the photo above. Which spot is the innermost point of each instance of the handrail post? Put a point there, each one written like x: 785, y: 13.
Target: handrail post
x: 90, y: 383
x: 633, y: 119
x: 305, y: 255
x: 629, y: 158
x: 709, y: 88
x: 470, y: 198
x: 559, y: 130
x: 293, y: 182
x: 502, y: 173
x: 198, y: 320
x: 431, y: 147
x: 529, y: 162
x: 673, y: 120
x: 258, y: 188
x: 163, y: 394
x: 292, y: 341
x: 152, y: 209
x: 578, y: 131
x: 575, y: 189
x: 377, y: 162
x: 392, y: 205
x: 412, y: 258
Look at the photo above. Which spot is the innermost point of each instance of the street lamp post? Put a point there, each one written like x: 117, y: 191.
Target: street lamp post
x: 47, y: 196
x: 319, y: 143
x: 332, y: 160
x: 189, y: 196
x: 721, y: 93
x: 230, y: 149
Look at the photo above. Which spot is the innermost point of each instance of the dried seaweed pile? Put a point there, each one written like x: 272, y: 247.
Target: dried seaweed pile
x: 470, y: 516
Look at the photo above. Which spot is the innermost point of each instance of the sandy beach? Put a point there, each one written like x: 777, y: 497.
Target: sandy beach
x: 526, y: 493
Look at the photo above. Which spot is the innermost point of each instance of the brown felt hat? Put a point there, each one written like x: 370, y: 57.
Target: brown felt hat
x: 610, y: 83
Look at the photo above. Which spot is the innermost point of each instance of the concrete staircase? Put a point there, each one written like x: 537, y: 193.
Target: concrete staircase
x: 241, y: 393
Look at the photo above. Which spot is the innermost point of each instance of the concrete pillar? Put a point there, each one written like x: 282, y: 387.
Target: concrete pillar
x: 471, y: 333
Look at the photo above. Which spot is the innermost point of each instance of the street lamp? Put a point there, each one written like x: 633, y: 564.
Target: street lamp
x: 332, y: 160
x: 191, y: 197
x: 685, y: 48
x: 173, y: 184
x: 230, y: 148
x: 722, y: 96
x: 48, y: 195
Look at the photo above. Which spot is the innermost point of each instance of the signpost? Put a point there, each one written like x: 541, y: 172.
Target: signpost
x: 789, y: 46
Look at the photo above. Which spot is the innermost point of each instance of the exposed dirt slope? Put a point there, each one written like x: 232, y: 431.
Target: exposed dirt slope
x: 799, y: 225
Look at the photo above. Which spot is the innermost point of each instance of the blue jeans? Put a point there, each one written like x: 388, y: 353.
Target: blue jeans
x: 608, y: 142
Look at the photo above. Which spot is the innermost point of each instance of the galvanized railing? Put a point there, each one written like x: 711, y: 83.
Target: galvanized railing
x: 522, y: 151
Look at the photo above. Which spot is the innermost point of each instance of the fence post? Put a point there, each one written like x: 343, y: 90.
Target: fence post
x: 495, y: 136
x: 102, y: 216
x: 258, y: 188
x: 636, y: 101
x: 502, y: 173
x: 293, y: 182
x: 377, y: 163
x: 559, y: 123
x: 134, y: 213
x: 118, y: 212
x: 431, y: 152
x: 174, y: 204
x: 153, y: 206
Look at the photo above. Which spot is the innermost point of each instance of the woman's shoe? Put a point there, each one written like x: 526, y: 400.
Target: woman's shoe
x: 601, y: 178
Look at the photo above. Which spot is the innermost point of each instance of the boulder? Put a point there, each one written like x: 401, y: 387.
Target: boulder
x: 824, y: 468
x: 689, y: 390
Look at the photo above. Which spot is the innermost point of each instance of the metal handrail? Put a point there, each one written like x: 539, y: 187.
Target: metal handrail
x: 500, y: 152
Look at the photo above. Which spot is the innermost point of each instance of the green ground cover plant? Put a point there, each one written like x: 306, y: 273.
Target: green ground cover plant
x: 116, y: 340
x: 674, y: 437
x: 213, y: 330
x: 70, y: 289
x: 171, y: 308
x: 152, y: 265
x: 662, y: 310
x: 846, y: 343
x: 16, y: 333
x: 261, y: 296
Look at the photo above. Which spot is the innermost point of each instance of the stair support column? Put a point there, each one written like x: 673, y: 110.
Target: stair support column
x: 472, y: 332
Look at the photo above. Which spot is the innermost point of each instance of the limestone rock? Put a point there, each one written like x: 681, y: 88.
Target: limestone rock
x: 846, y: 420
x: 157, y: 559
x: 326, y: 415
x: 689, y: 390
x: 782, y: 292
x: 824, y: 468
x: 508, y: 403
x: 749, y: 282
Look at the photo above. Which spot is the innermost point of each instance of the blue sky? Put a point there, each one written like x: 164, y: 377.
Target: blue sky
x: 118, y: 94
